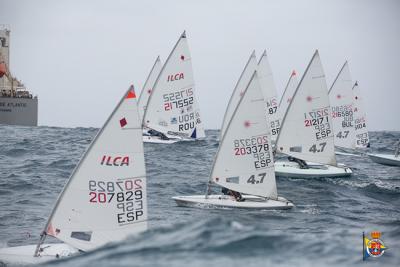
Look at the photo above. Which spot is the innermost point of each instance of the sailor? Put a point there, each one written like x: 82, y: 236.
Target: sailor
x: 302, y: 163
x: 163, y: 136
x: 397, y: 151
x: 157, y: 133
x: 236, y: 195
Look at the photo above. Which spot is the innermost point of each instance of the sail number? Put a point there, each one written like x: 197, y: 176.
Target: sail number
x: 362, y: 139
x: 126, y: 195
x: 320, y: 148
x: 178, y: 99
x: 178, y: 104
x: 319, y: 120
x: 258, y: 147
x: 345, y: 113
x: 259, y: 179
x: 275, y: 127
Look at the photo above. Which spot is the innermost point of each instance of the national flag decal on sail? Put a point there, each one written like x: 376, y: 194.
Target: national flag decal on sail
x: 131, y: 93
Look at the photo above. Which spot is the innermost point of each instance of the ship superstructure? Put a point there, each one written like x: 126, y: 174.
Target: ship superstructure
x: 17, y: 105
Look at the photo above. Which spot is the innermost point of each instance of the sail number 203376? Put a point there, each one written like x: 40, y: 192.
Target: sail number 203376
x: 126, y: 195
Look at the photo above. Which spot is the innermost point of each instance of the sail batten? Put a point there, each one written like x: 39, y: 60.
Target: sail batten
x: 306, y: 129
x: 173, y: 107
x: 244, y: 161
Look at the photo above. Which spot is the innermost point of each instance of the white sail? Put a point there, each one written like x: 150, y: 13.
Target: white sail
x: 105, y: 198
x: 306, y: 130
x: 244, y: 161
x: 148, y: 87
x: 173, y: 108
x: 288, y: 93
x: 241, y: 84
x: 271, y: 97
x: 341, y: 99
x: 360, y: 120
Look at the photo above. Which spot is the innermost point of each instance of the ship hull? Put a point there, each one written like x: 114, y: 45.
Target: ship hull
x: 19, y: 111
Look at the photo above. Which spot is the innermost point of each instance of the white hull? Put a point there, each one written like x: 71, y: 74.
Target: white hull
x: 293, y: 170
x: 24, y: 254
x: 344, y: 153
x: 385, y: 159
x: 158, y: 140
x: 223, y: 201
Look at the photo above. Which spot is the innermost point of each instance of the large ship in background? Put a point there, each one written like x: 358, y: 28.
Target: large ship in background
x: 17, y: 105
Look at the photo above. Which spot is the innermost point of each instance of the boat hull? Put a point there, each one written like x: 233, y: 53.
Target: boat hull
x: 293, y: 170
x: 19, y: 111
x: 385, y: 159
x: 24, y: 254
x: 158, y: 140
x: 223, y: 201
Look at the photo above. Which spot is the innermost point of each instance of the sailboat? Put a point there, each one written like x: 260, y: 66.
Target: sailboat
x: 341, y: 100
x: 238, y: 91
x: 271, y: 97
x: 244, y: 161
x: 288, y: 93
x: 306, y: 130
x: 104, y: 199
x: 387, y: 159
x: 173, y: 112
x: 148, y: 87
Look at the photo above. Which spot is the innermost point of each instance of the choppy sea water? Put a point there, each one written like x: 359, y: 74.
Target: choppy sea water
x: 324, y: 229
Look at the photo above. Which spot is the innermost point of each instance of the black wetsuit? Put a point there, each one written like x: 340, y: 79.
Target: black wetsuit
x: 235, y: 194
x: 302, y: 163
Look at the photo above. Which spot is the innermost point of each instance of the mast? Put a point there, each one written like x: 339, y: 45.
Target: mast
x: 337, y: 77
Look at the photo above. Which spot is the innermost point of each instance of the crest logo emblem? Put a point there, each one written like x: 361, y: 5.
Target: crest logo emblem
x: 373, y: 246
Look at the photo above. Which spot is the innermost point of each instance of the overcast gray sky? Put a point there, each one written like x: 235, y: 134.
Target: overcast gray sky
x: 80, y: 56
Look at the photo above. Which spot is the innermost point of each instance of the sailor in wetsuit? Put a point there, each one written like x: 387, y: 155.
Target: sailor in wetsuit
x: 302, y: 163
x: 157, y: 133
x: 238, y: 197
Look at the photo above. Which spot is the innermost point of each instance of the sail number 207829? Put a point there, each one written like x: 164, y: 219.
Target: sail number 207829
x: 126, y: 195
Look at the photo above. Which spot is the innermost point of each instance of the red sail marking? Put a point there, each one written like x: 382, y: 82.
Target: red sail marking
x: 123, y: 122
x: 50, y: 230
x: 131, y: 94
